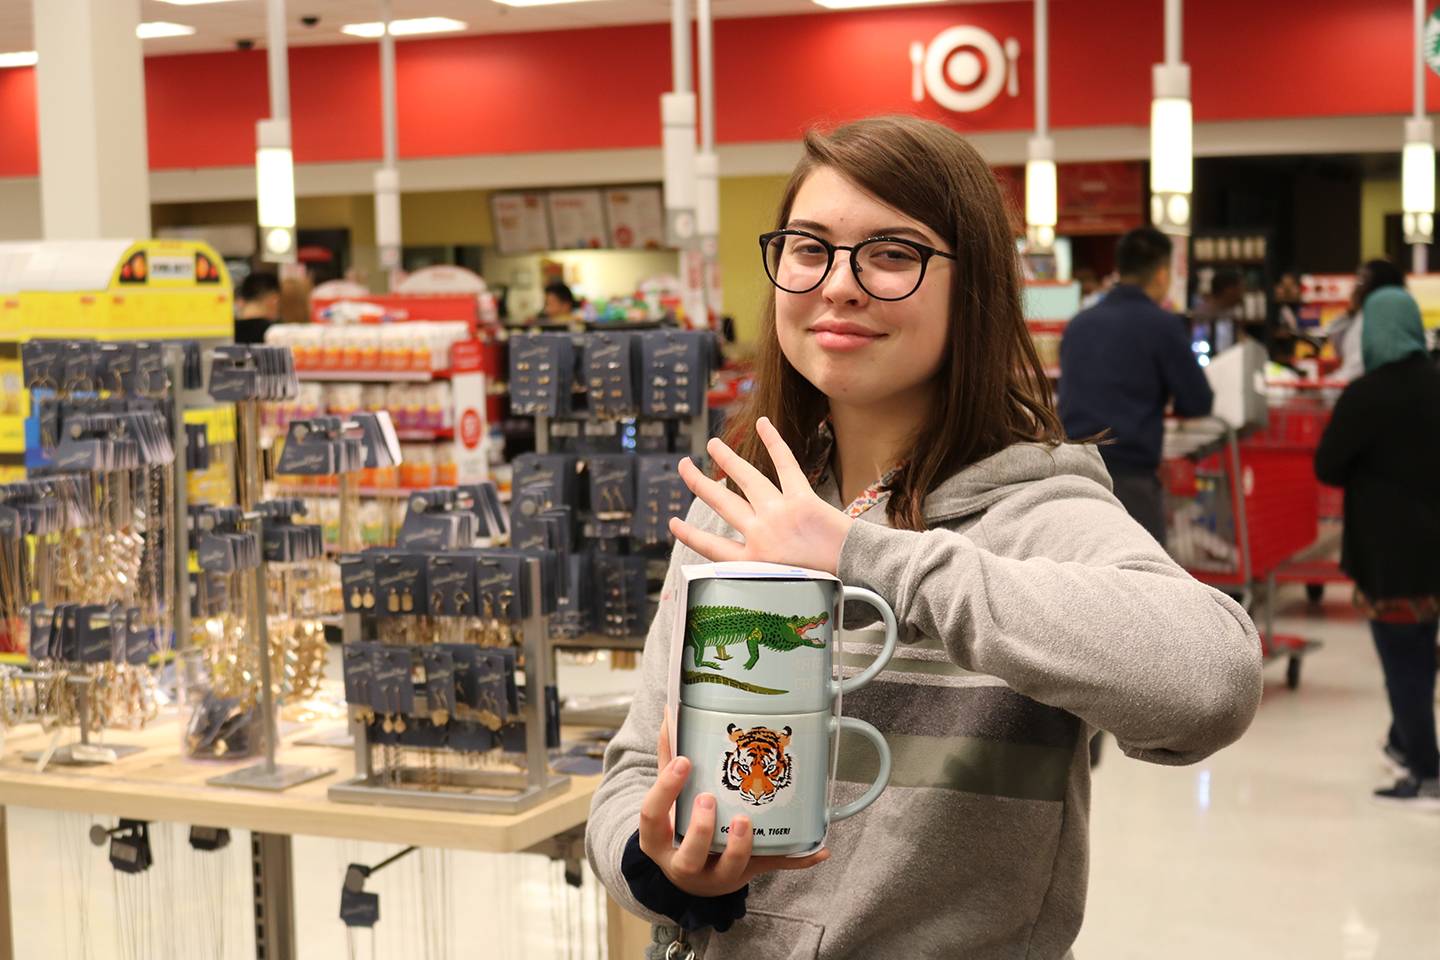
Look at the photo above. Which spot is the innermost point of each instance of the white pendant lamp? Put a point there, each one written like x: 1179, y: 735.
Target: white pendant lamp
x: 275, y: 190
x: 1171, y: 135
x: 1417, y: 168
x: 1042, y: 201
x: 1417, y: 179
x: 274, y: 164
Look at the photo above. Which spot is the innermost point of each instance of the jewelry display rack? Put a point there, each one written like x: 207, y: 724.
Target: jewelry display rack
x: 697, y: 429
x: 266, y: 775
x: 476, y: 791
x: 82, y: 753
x: 143, y: 520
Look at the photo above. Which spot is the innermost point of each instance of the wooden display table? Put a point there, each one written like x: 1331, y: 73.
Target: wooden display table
x: 158, y: 784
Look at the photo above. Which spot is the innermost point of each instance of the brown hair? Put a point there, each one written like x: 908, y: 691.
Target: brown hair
x: 995, y: 390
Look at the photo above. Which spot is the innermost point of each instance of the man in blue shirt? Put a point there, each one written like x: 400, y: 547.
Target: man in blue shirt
x: 1122, y: 363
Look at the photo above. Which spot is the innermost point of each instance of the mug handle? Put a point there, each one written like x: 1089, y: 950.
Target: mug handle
x: 882, y: 780
x: 892, y: 634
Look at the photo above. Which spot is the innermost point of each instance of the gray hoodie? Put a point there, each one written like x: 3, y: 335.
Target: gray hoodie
x: 1035, y: 612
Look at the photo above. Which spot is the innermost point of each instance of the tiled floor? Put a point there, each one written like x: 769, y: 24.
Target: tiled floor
x: 1272, y: 848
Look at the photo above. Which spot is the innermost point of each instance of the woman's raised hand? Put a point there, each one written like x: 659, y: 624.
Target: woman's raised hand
x: 791, y: 525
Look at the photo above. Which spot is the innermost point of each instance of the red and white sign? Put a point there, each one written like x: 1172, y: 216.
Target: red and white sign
x: 520, y: 223
x: 964, y: 69
x: 472, y: 447
x: 637, y: 218
x: 577, y: 220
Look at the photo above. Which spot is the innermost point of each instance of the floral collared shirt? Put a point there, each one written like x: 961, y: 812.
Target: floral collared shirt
x: 877, y: 493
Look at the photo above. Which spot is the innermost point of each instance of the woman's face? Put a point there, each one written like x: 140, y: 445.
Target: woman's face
x: 853, y: 348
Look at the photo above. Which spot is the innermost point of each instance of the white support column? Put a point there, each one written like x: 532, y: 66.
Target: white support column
x: 94, y: 163
x: 387, y: 178
x: 707, y: 164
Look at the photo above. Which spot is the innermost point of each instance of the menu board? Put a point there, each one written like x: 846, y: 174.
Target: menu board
x: 520, y: 223
x: 637, y: 218
x: 578, y: 219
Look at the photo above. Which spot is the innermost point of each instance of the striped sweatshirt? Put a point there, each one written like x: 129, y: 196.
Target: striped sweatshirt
x: 1034, y: 612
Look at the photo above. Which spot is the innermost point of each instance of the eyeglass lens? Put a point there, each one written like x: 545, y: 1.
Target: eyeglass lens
x: 887, y: 270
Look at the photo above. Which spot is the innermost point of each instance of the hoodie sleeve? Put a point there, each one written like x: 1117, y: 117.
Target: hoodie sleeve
x: 1065, y: 598
x: 630, y: 761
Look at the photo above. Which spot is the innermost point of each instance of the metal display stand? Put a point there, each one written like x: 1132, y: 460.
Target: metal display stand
x: 266, y: 775
x: 506, y: 792
x: 84, y: 753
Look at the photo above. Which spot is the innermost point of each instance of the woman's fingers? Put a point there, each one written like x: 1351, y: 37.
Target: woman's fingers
x: 731, y: 867
x: 754, y: 484
x: 656, y: 832
x: 694, y: 851
x: 663, y: 753
x: 731, y: 507
x: 787, y: 468
x: 708, y: 545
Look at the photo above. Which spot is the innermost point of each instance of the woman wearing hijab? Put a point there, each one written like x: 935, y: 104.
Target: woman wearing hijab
x: 1383, y: 447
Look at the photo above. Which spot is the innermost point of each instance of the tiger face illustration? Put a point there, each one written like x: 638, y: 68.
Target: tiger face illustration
x: 758, y: 767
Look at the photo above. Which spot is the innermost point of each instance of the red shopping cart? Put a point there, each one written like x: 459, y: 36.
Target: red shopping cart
x: 1235, y: 514
x: 1299, y: 413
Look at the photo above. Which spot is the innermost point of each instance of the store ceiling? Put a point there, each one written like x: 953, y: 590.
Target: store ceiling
x: 220, y: 25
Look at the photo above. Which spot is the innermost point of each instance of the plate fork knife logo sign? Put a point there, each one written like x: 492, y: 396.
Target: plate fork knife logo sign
x: 964, y: 69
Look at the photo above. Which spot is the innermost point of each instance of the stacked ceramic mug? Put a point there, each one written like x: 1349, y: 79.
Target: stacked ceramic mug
x: 757, y: 705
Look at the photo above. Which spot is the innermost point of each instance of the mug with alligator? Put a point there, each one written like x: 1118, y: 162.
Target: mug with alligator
x: 759, y: 645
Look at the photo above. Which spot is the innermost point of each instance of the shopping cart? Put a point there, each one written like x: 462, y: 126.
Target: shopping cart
x: 1299, y: 413
x: 1234, y: 515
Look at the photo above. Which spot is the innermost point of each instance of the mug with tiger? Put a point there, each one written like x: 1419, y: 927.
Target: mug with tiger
x: 764, y: 641
x: 773, y: 769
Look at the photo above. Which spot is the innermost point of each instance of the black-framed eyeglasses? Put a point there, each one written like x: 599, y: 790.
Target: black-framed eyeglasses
x: 887, y: 268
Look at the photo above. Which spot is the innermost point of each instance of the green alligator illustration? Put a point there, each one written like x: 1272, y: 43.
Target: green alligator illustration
x: 720, y: 627
x: 688, y: 677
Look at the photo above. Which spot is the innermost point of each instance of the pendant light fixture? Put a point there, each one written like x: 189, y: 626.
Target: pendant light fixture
x: 1042, y: 203
x: 1171, y: 135
x: 1417, y: 170
x: 274, y: 164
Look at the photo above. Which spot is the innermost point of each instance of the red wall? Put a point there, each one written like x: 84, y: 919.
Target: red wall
x: 19, y: 145
x: 599, y: 88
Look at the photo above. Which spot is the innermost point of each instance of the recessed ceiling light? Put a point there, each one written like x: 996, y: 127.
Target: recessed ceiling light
x: 20, y: 58
x: 404, y: 28
x: 156, y: 29
x: 193, y: 3
x: 538, y: 3
x: 861, y: 4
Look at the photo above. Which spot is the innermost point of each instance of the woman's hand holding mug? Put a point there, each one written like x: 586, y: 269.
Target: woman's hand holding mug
x: 691, y: 866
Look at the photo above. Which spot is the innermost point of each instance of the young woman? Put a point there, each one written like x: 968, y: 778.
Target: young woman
x: 1383, y: 446
x: 901, y: 435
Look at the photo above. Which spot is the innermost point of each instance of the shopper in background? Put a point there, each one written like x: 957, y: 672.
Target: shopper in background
x: 257, y: 306
x: 294, y: 302
x: 901, y: 435
x: 560, y: 302
x: 1345, y: 331
x: 1383, y: 446
x: 1122, y: 363
x: 1227, y: 293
